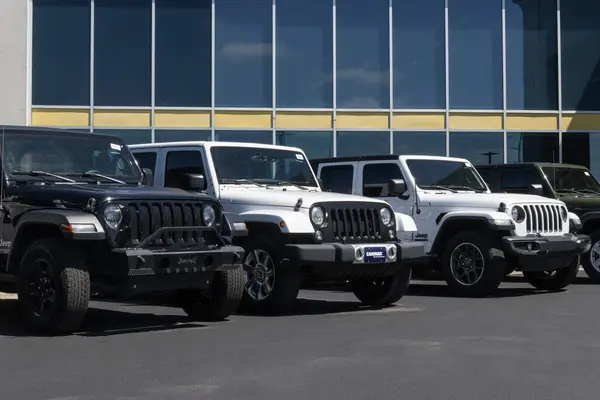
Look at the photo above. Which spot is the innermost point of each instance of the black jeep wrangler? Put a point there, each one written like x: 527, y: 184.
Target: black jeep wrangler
x: 573, y: 184
x: 78, y: 220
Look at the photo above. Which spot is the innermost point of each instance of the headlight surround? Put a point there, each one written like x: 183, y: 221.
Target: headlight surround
x: 317, y: 216
x: 113, y: 216
x: 518, y: 214
x: 386, y: 216
x: 209, y: 215
x: 564, y: 213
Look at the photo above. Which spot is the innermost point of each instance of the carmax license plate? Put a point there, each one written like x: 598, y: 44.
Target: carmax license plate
x: 375, y: 254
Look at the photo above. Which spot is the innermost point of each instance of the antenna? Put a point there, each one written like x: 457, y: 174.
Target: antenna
x: 417, y: 209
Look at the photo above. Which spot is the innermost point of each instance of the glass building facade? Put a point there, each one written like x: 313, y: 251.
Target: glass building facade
x: 489, y: 80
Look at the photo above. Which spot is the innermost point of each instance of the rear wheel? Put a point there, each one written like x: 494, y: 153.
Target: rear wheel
x: 383, y: 291
x: 553, y: 280
x: 591, y: 260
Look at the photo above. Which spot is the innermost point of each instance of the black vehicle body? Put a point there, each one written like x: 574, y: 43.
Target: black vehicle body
x: 161, y: 243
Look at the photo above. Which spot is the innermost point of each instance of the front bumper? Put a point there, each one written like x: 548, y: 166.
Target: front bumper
x: 545, y: 252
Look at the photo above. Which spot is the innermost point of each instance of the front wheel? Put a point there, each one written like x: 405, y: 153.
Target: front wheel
x: 383, y: 291
x: 469, y: 264
x: 591, y: 260
x: 553, y: 280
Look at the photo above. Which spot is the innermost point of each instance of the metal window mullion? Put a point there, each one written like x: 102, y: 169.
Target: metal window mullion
x: 559, y: 89
x: 504, y: 89
x: 447, y: 73
x: 153, y: 72
x: 92, y: 60
x: 334, y: 86
x: 391, y: 66
x: 212, y: 70
x: 29, y: 82
x: 274, y: 70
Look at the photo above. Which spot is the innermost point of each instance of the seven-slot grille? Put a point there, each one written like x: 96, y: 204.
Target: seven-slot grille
x: 543, y: 218
x: 355, y: 223
x: 147, y: 217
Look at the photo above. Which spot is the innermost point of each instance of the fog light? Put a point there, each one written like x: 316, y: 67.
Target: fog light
x: 359, y: 254
x: 319, y: 235
x: 530, y: 247
x: 391, y: 253
x: 392, y: 233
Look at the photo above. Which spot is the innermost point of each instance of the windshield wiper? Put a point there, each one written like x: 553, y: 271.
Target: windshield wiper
x: 91, y: 174
x: 439, y: 187
x: 290, y: 183
x: 243, y: 182
x: 574, y: 191
x: 44, y: 174
x: 462, y: 187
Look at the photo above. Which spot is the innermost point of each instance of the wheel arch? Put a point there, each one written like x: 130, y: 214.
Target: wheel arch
x: 454, y: 224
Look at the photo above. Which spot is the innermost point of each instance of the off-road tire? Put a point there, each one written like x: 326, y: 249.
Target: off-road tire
x: 494, y: 265
x: 591, y: 272
x: 384, y: 291
x: 71, y: 284
x: 562, y: 278
x: 220, y: 301
x: 286, y: 283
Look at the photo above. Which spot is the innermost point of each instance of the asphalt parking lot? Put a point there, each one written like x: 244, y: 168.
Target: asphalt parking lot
x: 522, y: 344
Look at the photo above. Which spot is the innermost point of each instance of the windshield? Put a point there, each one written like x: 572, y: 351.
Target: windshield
x: 68, y: 155
x: 566, y: 179
x: 431, y: 174
x: 268, y: 166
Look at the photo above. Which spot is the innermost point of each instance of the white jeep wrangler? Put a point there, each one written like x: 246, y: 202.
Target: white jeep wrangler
x: 289, y: 228
x: 474, y: 237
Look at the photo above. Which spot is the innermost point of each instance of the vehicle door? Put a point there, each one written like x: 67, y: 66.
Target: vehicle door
x: 338, y: 177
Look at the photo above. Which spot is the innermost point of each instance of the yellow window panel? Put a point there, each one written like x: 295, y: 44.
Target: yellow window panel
x: 362, y: 120
x: 122, y: 118
x: 531, y: 122
x: 243, y: 119
x: 419, y: 120
x: 182, y: 119
x: 475, y: 121
x: 581, y: 122
x: 303, y: 120
x: 60, y: 117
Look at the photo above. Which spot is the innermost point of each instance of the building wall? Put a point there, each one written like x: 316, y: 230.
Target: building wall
x: 13, y: 62
x: 493, y: 80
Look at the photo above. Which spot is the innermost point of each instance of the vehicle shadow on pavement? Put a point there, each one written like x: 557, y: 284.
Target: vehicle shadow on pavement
x: 432, y: 290
x: 98, y: 322
x: 304, y: 306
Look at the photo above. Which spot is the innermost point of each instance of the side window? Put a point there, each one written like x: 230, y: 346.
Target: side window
x: 179, y: 163
x: 519, y: 179
x: 377, y: 176
x: 337, y: 178
x: 488, y: 175
x: 146, y: 160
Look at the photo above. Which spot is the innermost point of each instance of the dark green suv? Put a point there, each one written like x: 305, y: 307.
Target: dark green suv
x: 575, y: 185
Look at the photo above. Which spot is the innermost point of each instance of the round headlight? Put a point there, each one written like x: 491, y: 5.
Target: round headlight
x: 517, y: 213
x: 209, y: 215
x: 113, y: 216
x: 386, y: 216
x: 564, y: 213
x: 317, y: 216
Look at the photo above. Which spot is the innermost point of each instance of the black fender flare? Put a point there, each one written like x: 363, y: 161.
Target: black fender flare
x: 589, y: 216
x: 442, y: 235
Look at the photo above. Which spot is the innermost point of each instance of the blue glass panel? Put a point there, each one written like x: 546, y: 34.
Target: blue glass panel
x: 129, y: 136
x: 532, y: 147
x: 357, y: 143
x: 243, y: 72
x: 420, y: 143
x: 122, y: 52
x: 181, y: 135
x: 314, y: 144
x: 183, y: 29
x: 419, y: 54
x: 304, y: 53
x: 475, y: 42
x: 61, y: 53
x: 363, y: 62
x: 580, y: 54
x: 478, y: 147
x: 265, y: 137
x: 581, y: 148
x: 531, y: 55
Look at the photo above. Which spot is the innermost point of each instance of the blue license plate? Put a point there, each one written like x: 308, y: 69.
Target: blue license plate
x: 375, y: 254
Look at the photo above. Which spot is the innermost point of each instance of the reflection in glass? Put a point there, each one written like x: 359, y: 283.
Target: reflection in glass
x: 129, y: 136
x: 580, y: 54
x: 314, y: 144
x: 122, y: 58
x: 363, y: 54
x: 455, y: 175
x: 567, y: 179
x: 183, y: 29
x: 475, y: 47
x: 362, y: 143
x: 304, y: 53
x: 265, y: 137
x: 420, y: 143
x: 531, y: 55
x: 580, y: 148
x: 243, y: 53
x: 532, y: 147
x: 61, y: 53
x: 478, y: 147
x: 181, y: 135
x: 419, y: 54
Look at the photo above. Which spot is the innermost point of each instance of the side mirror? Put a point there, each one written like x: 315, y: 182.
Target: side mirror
x: 396, y: 187
x: 147, y: 177
x: 195, y: 182
x: 536, y: 189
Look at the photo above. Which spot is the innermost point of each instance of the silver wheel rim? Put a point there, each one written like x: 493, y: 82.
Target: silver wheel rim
x: 467, y: 264
x: 260, y: 274
x: 595, y: 256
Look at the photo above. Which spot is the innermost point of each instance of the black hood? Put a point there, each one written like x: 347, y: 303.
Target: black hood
x: 579, y: 204
x: 77, y: 195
